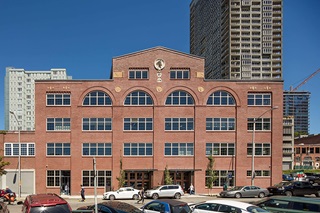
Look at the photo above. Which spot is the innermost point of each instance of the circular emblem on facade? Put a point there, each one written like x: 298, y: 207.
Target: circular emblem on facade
x: 159, y: 64
x: 159, y: 89
x: 200, y: 89
x: 117, y: 89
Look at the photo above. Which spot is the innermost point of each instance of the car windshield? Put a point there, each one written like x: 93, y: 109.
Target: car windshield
x: 282, y: 184
x: 157, y: 187
x: 236, y: 188
x: 255, y: 209
x: 51, y: 209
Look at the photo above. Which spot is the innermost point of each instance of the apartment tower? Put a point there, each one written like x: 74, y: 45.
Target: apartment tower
x: 19, y: 95
x: 240, y: 39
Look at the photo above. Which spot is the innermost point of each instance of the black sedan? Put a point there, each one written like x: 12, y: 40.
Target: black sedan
x: 278, y: 189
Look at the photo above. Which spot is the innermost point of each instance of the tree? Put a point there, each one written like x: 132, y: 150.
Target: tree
x: 211, y: 176
x: 2, y: 165
x: 121, y: 178
x: 167, y: 177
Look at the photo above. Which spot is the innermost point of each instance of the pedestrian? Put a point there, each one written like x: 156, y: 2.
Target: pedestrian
x: 141, y: 193
x: 225, y: 186
x: 191, y: 189
x: 82, y: 194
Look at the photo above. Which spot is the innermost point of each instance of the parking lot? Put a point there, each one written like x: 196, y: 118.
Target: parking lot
x: 75, y: 203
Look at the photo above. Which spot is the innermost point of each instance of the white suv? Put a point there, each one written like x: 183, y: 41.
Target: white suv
x: 174, y: 191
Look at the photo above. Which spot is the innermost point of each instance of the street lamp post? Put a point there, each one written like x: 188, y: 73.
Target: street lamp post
x: 19, y: 155
x: 253, y: 143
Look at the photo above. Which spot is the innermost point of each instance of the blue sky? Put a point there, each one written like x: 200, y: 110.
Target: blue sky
x: 84, y: 35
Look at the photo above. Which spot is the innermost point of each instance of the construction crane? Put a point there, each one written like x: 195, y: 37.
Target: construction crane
x: 305, y: 81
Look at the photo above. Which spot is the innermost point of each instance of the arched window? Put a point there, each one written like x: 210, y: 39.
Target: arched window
x: 179, y: 98
x: 221, y: 98
x: 95, y: 98
x: 138, y: 98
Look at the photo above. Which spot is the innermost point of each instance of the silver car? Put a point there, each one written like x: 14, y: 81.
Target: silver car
x: 245, y: 191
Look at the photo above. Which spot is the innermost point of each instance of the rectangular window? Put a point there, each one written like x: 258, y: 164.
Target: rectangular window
x: 137, y: 149
x: 58, y: 99
x: 261, y: 124
x: 96, y: 149
x: 58, y: 149
x: 220, y: 177
x: 26, y: 149
x: 88, y: 177
x: 58, y: 124
x: 178, y: 149
x: 220, y: 124
x: 179, y: 74
x: 259, y: 173
x: 138, y: 74
x: 179, y: 124
x: 96, y: 124
x: 261, y: 149
x: 53, y: 177
x: 259, y: 99
x: 222, y: 149
x: 138, y: 124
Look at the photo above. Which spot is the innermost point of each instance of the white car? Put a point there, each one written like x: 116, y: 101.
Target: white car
x: 212, y: 206
x: 122, y: 193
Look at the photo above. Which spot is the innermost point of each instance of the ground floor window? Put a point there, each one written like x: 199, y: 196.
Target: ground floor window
x: 259, y: 173
x: 221, y: 177
x: 88, y: 177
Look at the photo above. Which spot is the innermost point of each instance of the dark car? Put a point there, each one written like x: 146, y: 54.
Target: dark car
x: 278, y: 189
x: 111, y: 206
x: 282, y: 204
x: 49, y: 203
x: 312, y: 178
x: 286, y: 177
x: 167, y: 206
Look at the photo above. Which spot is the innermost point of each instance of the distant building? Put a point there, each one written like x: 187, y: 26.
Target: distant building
x: 307, y: 152
x: 19, y: 95
x: 297, y: 104
x: 288, y: 143
x: 156, y: 111
x: 240, y: 39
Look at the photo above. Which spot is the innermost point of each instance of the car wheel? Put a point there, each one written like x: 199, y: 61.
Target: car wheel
x: 237, y: 195
x: 135, y: 197
x: 112, y: 197
x: 288, y: 193
x: 261, y: 195
x: 177, y: 196
x: 155, y: 196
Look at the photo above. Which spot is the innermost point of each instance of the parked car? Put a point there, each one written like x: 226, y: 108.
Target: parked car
x: 278, y: 189
x: 245, y: 191
x: 111, y: 206
x: 225, y: 206
x: 301, y: 188
x: 166, y: 206
x: 174, y: 191
x: 282, y: 204
x: 122, y: 193
x: 312, y: 178
x: 39, y: 203
x: 4, y: 208
x: 286, y: 177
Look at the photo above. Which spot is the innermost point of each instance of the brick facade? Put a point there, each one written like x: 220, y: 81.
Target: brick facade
x: 158, y: 86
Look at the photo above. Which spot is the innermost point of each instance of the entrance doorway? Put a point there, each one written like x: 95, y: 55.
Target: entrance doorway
x: 65, y: 182
x: 183, y: 178
x: 137, y: 179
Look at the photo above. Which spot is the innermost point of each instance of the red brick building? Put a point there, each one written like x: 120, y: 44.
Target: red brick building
x: 156, y: 111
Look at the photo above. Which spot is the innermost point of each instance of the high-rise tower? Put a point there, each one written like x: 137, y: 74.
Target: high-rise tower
x: 19, y: 95
x: 240, y: 39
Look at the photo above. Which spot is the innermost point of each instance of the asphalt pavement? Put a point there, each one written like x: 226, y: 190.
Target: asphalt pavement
x: 76, y: 203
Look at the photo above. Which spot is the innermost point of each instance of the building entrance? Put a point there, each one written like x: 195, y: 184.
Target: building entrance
x: 183, y: 178
x: 65, y: 182
x: 137, y: 179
